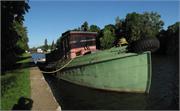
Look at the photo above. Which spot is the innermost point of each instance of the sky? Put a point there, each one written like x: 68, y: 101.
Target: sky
x: 49, y: 19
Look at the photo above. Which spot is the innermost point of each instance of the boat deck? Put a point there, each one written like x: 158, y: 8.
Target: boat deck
x: 99, y: 56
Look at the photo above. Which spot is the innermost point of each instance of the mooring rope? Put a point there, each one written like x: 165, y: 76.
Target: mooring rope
x: 59, y: 68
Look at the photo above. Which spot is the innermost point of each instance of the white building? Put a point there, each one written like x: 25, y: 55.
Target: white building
x: 39, y: 50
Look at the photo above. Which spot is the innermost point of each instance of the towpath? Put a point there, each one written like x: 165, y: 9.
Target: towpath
x: 41, y: 94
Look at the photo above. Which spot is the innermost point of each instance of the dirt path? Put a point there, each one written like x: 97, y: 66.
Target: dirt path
x: 41, y: 94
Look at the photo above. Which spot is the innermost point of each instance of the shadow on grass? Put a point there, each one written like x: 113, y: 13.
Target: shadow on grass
x: 17, y: 66
x: 23, y: 104
x: 23, y: 58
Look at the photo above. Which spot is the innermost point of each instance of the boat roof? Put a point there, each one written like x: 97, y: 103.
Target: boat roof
x: 77, y: 32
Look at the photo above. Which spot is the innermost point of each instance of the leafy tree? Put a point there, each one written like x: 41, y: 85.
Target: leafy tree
x: 45, y: 45
x: 12, y: 11
x: 58, y: 43
x: 119, y: 29
x: 22, y: 42
x: 162, y: 36
x: 138, y: 26
x: 169, y: 40
x: 84, y: 26
x: 173, y: 39
x: 53, y: 46
x: 118, y: 23
x: 152, y: 24
x: 133, y: 26
x: 107, y: 39
x: 98, y: 42
x: 94, y: 28
x: 111, y: 27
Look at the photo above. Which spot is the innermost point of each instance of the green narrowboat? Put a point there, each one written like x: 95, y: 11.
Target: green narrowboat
x: 112, y: 70
x: 122, y: 69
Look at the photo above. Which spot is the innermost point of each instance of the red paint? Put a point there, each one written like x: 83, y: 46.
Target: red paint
x: 78, y: 47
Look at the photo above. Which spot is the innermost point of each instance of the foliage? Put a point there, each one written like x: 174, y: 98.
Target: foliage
x: 58, y: 43
x: 138, y: 26
x: 94, y: 28
x: 134, y: 27
x: 15, y: 84
x: 119, y: 29
x: 13, y: 15
x: 107, y: 39
x: 110, y: 27
x: 45, y: 47
x: 84, y: 26
x: 169, y: 40
x: 53, y: 46
x: 118, y: 23
x: 22, y: 41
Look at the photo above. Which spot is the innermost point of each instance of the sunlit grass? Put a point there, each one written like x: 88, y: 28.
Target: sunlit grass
x: 15, y: 84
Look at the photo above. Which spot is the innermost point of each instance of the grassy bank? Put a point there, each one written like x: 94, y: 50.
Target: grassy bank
x: 15, y: 84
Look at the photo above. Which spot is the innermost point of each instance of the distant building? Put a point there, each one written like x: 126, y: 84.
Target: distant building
x: 49, y: 50
x: 39, y: 50
x: 75, y: 43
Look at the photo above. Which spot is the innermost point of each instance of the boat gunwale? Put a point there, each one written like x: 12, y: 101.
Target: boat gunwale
x: 148, y: 83
x: 103, y: 60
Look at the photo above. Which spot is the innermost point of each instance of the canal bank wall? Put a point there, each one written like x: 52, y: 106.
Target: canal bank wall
x: 41, y: 94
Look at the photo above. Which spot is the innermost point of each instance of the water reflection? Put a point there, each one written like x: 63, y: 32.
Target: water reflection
x: 72, y: 96
x: 37, y: 56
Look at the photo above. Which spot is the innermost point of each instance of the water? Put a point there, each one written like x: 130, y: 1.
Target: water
x: 163, y: 92
x: 37, y: 56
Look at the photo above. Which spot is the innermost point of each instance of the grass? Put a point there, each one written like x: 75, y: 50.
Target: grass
x: 15, y: 84
x: 26, y: 57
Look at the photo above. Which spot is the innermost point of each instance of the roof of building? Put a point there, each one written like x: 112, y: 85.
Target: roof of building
x: 82, y: 32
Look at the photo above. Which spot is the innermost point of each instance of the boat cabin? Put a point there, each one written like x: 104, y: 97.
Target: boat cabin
x: 76, y: 43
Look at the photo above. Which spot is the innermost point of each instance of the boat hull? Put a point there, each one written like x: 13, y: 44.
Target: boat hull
x: 123, y: 74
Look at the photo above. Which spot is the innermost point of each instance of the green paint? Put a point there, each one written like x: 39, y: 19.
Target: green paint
x: 108, y: 70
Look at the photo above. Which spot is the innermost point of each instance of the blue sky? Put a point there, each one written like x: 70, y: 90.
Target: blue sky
x: 49, y: 19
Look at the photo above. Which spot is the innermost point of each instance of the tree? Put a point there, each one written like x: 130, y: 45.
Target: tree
x: 110, y: 27
x: 152, y: 24
x: 138, y: 26
x: 53, y: 46
x: 22, y: 41
x: 162, y: 36
x: 119, y: 29
x: 173, y: 39
x: 94, y: 28
x: 84, y: 26
x: 133, y: 26
x: 118, y: 23
x: 107, y: 40
x: 58, y: 43
x: 12, y: 11
x: 45, y: 45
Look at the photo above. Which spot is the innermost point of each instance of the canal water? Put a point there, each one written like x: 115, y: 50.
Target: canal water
x: 37, y: 56
x: 164, y: 91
